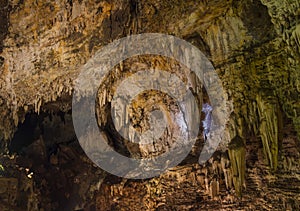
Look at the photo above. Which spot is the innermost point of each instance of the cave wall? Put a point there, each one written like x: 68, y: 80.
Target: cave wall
x: 253, y: 44
x: 253, y: 48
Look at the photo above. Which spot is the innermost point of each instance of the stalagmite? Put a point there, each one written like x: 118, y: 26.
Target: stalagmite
x: 206, y: 184
x: 237, y: 155
x: 201, y: 180
x: 268, y: 114
x: 214, y: 188
x: 225, y: 164
x: 228, y: 178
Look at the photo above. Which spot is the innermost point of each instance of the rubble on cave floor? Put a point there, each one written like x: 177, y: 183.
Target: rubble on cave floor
x: 67, y: 180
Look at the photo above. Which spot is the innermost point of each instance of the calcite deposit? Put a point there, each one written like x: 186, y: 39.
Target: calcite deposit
x: 254, y: 46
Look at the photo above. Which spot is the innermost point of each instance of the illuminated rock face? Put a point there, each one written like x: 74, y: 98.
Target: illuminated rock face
x: 254, y: 46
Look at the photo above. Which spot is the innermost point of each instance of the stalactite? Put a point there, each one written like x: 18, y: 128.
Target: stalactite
x: 285, y: 17
x: 296, y: 36
x: 54, y: 48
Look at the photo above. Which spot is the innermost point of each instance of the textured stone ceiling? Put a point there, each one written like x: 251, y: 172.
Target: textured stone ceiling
x: 47, y: 42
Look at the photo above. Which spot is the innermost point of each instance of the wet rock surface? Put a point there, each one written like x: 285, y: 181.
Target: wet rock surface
x: 254, y: 47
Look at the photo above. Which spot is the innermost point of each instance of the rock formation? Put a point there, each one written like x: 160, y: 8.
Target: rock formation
x: 254, y: 46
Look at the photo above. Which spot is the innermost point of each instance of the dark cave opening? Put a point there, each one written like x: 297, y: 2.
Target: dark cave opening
x: 53, y: 128
x: 54, y: 172
x: 26, y: 133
